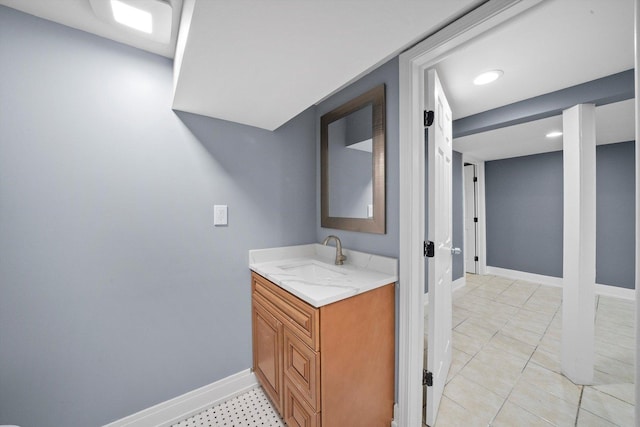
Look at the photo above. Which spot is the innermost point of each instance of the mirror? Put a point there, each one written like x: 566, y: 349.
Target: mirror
x: 352, y: 165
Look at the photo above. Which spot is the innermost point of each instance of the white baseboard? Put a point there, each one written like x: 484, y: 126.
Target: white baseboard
x: 604, y: 290
x: 455, y: 285
x: 167, y: 413
x: 616, y: 292
x: 523, y: 275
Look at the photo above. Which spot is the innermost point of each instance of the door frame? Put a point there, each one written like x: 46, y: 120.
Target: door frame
x: 412, y: 66
x: 468, y: 201
x: 481, y: 236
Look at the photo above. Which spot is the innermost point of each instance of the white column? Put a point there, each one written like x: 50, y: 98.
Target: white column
x: 579, y: 249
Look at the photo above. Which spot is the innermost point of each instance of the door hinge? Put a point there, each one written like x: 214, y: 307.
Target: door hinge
x: 475, y: 179
x: 428, y: 249
x: 428, y: 118
x: 475, y: 258
x: 427, y: 378
x: 475, y: 219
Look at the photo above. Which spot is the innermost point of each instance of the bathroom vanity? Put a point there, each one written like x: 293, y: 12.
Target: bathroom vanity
x: 324, y: 335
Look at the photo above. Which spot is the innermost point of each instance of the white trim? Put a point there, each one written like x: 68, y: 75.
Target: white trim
x: 527, y: 277
x: 481, y: 240
x: 179, y: 408
x: 412, y: 65
x: 603, y: 290
x: 458, y: 284
x: 615, y: 292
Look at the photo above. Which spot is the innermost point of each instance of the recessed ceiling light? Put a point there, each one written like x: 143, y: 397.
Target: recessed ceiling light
x: 554, y: 134
x: 487, y: 77
x: 132, y: 17
x: 135, y: 19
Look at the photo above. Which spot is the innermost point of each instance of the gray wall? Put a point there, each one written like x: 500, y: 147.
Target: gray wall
x: 615, y: 214
x: 116, y: 290
x: 524, y: 214
x: 381, y: 244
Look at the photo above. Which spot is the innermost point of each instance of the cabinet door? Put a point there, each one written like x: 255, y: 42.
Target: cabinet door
x: 267, y: 353
x: 297, y: 412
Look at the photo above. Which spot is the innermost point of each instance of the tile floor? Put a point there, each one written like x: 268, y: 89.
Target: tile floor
x: 506, y: 360
x: 506, y: 365
x: 251, y: 409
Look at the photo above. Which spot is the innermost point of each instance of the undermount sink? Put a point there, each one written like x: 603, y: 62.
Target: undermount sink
x: 309, y: 273
x: 312, y: 271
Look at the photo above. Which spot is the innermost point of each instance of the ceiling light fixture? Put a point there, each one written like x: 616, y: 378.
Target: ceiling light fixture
x: 487, y: 77
x: 132, y: 17
x: 554, y: 134
x: 135, y: 19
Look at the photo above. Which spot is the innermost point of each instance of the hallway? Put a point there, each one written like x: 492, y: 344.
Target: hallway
x: 506, y: 360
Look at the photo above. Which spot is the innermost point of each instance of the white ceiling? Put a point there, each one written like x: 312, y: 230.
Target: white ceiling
x: 554, y: 45
x: 262, y: 62
x: 79, y: 14
x: 614, y: 123
x: 557, y: 44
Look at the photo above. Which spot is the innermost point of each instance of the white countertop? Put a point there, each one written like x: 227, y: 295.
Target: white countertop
x: 309, y: 271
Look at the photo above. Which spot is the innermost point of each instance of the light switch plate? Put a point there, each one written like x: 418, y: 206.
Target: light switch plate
x: 220, y: 215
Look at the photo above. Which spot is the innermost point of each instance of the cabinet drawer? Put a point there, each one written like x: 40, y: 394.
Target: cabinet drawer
x: 297, y: 412
x: 300, y: 316
x: 302, y: 368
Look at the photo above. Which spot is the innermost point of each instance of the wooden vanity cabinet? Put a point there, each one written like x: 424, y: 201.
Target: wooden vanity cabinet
x: 331, y: 366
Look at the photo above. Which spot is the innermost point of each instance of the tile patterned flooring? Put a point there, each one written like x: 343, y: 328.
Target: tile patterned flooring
x: 506, y: 365
x: 506, y: 360
x: 251, y: 409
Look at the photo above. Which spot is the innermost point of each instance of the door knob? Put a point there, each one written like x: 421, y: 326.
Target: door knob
x: 456, y: 251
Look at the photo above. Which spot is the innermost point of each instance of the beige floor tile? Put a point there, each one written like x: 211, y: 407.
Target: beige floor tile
x: 607, y: 407
x: 551, y: 382
x: 458, y: 361
x: 497, y: 359
x: 539, y: 327
x: 541, y: 306
x: 623, y: 372
x: 587, y: 419
x: 467, y: 344
x: 484, y: 292
x: 500, y: 381
x: 523, y: 335
x: 545, y: 405
x: 506, y: 360
x: 512, y: 415
x: 481, y: 402
x: 624, y: 392
x: 472, y: 329
x: 548, y: 360
x: 511, y: 345
x: 550, y: 344
x: 451, y: 414
x: 514, y: 299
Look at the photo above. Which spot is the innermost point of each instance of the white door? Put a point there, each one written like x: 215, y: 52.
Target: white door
x: 439, y: 231
x: 470, y: 224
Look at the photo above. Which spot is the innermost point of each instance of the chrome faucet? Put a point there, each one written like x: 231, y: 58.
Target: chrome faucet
x: 339, y: 257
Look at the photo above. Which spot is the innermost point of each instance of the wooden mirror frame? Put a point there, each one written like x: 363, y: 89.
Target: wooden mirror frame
x: 376, y: 98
